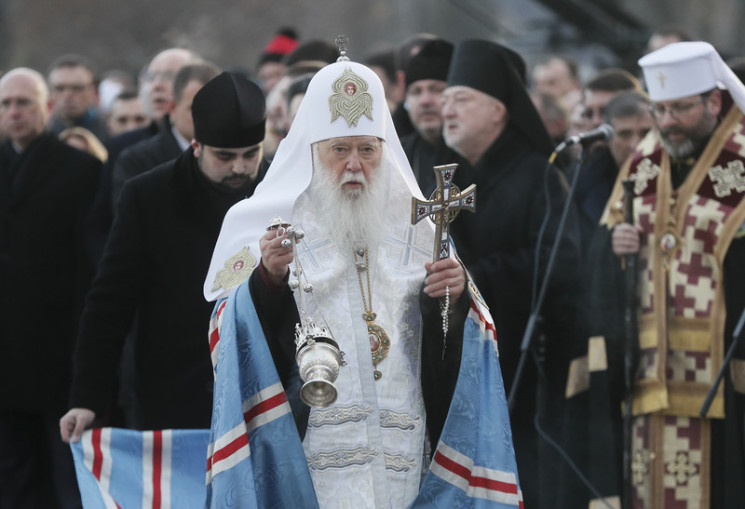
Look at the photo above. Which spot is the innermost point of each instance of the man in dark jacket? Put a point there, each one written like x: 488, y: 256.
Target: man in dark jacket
x: 156, y: 83
x: 46, y: 189
x: 73, y: 83
x: 489, y: 119
x: 154, y: 264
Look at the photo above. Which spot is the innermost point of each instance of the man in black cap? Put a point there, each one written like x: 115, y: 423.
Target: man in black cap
x: 401, y: 59
x: 154, y: 265
x: 489, y: 119
x: 425, y: 81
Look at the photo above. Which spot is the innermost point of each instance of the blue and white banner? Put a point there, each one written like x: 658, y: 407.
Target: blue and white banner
x: 125, y: 469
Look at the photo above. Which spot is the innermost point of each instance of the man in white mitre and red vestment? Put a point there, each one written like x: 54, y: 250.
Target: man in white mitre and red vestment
x: 689, y: 233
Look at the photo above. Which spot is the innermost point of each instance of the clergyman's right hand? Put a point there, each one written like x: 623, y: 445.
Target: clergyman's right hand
x: 74, y: 422
x: 625, y: 239
x: 276, y: 259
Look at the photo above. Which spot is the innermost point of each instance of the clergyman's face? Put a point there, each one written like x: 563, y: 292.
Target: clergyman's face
x: 685, y: 124
x: 351, y: 160
x: 424, y: 99
x: 471, y: 120
x: 228, y: 169
x: 348, y: 188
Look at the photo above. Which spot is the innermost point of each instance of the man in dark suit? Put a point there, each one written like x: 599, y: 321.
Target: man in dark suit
x: 156, y: 85
x: 73, y: 83
x: 46, y: 189
x: 154, y: 263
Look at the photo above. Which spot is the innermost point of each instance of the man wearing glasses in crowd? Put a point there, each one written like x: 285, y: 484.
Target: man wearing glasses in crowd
x: 73, y: 87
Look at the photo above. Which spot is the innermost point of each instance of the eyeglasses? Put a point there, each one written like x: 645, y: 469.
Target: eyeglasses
x: 676, y: 110
x: 150, y: 76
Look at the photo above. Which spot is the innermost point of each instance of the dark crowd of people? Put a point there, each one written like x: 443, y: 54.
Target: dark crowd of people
x: 113, y: 191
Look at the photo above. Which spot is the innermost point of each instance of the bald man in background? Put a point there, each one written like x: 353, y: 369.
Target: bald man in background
x: 46, y: 189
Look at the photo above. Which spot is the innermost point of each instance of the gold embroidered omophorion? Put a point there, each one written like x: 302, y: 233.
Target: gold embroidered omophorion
x: 379, y: 342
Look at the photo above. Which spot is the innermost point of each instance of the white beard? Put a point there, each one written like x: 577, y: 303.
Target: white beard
x: 353, y: 219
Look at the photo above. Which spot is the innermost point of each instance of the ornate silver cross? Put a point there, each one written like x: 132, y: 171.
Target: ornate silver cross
x: 444, y: 204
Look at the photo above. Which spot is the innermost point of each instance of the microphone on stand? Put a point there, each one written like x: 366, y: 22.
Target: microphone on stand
x: 603, y: 132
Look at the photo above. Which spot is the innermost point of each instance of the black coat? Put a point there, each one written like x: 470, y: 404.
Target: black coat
x: 402, y: 121
x: 153, y: 267
x: 498, y: 246
x: 43, y: 273
x: 103, y: 212
x: 143, y: 156
x: 498, y: 242
x: 423, y: 157
x: 93, y: 120
x: 594, y: 186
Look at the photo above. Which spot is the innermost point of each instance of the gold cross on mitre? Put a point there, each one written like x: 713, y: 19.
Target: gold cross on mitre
x: 444, y: 204
x: 661, y: 77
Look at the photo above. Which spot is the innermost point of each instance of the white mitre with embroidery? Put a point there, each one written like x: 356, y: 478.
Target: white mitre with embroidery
x: 343, y: 99
x: 683, y: 69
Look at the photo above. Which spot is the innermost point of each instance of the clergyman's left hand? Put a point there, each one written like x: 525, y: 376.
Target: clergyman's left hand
x: 445, y: 273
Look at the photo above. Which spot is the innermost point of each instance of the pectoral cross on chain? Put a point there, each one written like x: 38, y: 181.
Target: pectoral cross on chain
x: 444, y: 204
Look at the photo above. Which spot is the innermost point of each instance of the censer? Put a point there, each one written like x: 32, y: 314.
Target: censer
x: 317, y: 354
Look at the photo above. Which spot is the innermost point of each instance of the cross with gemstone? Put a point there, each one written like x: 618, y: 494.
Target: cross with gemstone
x: 444, y: 204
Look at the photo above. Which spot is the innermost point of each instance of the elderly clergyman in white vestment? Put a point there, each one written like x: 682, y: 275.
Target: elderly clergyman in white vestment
x: 420, y: 418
